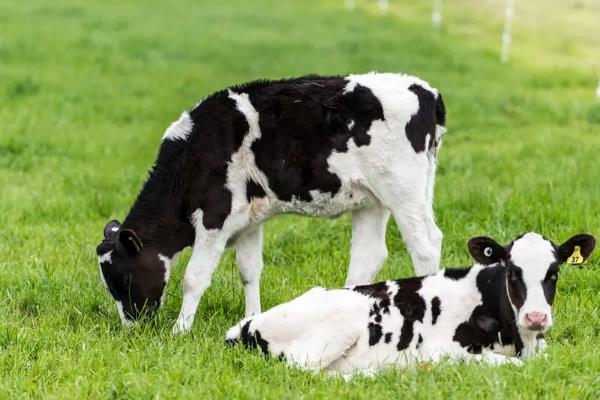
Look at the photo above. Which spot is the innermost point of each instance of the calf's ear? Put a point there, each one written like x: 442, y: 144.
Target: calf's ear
x: 130, y: 241
x: 577, y: 249
x: 486, y: 250
x: 111, y: 228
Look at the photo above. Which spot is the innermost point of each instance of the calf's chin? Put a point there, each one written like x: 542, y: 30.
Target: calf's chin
x: 125, y: 321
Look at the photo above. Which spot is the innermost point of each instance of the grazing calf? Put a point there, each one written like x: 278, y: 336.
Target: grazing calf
x: 494, y: 311
x: 317, y: 146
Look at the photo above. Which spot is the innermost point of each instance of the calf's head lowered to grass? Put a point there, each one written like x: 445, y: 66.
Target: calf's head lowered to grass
x: 531, y: 264
x: 134, y: 275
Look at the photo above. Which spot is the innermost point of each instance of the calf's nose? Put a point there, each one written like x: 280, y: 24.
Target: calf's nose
x: 536, y: 320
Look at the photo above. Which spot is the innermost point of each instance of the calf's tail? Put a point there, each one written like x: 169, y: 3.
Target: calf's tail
x: 234, y: 333
x: 247, y: 334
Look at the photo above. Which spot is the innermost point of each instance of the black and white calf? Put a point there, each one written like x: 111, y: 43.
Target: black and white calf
x: 317, y: 146
x: 493, y: 312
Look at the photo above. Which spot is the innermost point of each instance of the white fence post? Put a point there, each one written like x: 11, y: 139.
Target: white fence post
x: 436, y: 16
x: 506, y: 35
x: 383, y: 5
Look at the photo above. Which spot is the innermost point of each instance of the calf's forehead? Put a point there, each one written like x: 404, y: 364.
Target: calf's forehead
x: 533, y: 254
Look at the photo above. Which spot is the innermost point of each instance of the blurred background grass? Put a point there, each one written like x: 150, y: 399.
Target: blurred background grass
x: 87, y: 90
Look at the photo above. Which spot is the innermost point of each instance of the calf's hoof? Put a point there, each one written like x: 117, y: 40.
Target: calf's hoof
x: 180, y: 329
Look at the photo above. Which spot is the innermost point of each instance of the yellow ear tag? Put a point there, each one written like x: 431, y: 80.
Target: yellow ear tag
x: 576, y: 258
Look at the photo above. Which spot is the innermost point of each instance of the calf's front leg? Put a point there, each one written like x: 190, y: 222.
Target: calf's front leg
x: 489, y: 357
x: 198, y: 273
x: 485, y: 357
x: 248, y: 247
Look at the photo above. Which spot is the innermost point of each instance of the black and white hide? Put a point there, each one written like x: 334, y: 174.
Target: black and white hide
x: 316, y: 146
x: 495, y: 312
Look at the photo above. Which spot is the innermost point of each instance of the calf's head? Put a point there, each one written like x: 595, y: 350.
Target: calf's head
x: 531, y: 264
x: 134, y: 275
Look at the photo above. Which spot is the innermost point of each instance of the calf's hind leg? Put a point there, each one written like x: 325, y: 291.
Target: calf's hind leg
x: 435, y: 234
x: 318, y: 350
x: 368, y: 251
x: 411, y: 210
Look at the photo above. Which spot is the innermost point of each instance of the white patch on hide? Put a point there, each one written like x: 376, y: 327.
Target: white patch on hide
x: 168, y: 263
x: 242, y: 166
x: 106, y: 257
x: 180, y: 129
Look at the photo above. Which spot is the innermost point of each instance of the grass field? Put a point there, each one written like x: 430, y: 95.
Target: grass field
x: 88, y: 88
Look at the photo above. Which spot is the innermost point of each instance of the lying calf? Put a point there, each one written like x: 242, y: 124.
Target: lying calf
x: 494, y: 311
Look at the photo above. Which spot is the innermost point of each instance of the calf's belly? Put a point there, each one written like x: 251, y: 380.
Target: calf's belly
x: 350, y: 197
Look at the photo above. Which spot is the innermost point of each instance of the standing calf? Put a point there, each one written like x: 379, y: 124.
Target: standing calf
x: 493, y: 311
x: 318, y: 146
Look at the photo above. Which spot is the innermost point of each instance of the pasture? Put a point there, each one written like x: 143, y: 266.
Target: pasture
x: 87, y: 90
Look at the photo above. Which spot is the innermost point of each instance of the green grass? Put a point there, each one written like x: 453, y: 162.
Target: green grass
x: 88, y: 88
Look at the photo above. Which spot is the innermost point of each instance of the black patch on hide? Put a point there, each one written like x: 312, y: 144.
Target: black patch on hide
x: 379, y: 291
x: 388, y: 337
x: 302, y: 121
x: 253, y: 340
x: 435, y: 309
x: 254, y: 190
x: 375, y: 333
x: 456, y: 273
x: 492, y: 319
x: 411, y: 306
x: 423, y: 122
